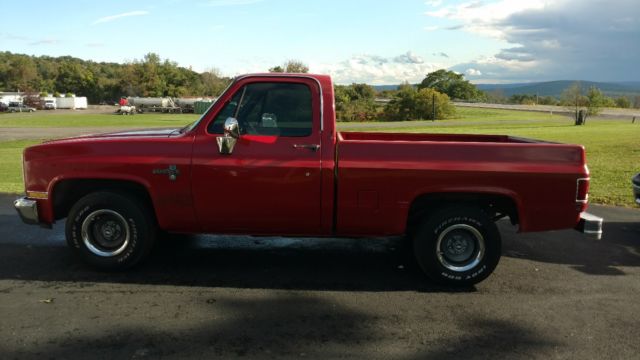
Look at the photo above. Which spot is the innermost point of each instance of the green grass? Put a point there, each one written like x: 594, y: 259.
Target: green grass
x: 613, y: 146
x: 10, y: 165
x: 80, y: 119
x: 480, y: 114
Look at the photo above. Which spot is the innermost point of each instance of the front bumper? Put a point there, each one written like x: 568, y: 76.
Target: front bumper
x: 590, y: 225
x: 28, y: 210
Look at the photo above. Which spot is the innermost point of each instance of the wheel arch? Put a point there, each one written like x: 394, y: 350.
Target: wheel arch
x: 66, y: 192
x: 493, y: 203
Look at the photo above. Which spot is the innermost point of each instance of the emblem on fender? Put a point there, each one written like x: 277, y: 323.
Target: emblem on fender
x: 172, y: 171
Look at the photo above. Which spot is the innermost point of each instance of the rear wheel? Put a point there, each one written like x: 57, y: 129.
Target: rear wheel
x: 457, y: 246
x: 110, y: 230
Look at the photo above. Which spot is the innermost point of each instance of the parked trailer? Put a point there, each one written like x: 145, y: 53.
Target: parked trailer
x: 153, y: 104
x: 78, y: 102
x: 187, y: 104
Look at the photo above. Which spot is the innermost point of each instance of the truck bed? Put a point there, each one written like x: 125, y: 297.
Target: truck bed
x: 376, y: 136
x: 381, y: 174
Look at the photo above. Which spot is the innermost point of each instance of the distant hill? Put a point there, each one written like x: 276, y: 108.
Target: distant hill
x: 555, y: 88
x: 551, y: 88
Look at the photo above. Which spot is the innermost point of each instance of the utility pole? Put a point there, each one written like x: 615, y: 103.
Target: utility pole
x: 433, y: 106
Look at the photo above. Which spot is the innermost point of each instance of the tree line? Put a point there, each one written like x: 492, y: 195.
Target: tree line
x: 429, y: 100
x: 101, y: 81
x: 566, y: 98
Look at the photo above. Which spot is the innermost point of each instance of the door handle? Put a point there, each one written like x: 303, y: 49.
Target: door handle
x: 312, y: 147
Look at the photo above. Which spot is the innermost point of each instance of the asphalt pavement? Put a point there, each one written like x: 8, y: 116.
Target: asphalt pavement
x: 553, y: 295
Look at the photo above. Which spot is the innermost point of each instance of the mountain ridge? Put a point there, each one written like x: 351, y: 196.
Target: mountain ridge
x: 552, y: 88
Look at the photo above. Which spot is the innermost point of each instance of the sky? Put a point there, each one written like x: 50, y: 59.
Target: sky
x: 363, y: 41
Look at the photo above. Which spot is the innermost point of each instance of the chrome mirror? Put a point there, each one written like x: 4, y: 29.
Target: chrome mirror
x: 227, y: 142
x: 231, y: 128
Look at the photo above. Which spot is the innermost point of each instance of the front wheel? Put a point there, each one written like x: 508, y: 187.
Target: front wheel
x: 458, y: 246
x: 110, y: 230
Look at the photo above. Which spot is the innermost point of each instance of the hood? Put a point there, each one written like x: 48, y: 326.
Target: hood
x: 162, y: 132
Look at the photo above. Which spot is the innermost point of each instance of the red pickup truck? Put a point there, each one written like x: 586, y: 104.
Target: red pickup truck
x: 266, y: 159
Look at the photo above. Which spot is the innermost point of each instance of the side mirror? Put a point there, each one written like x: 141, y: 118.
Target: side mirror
x: 231, y: 128
x: 227, y: 142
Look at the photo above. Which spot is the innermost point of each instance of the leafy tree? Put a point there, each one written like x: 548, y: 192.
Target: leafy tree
x: 547, y: 100
x: 22, y: 74
x: 355, y: 102
x: 522, y: 99
x: 213, y: 82
x: 291, y: 66
x: 573, y: 98
x: 295, y: 66
x: 495, y: 96
x: 412, y: 104
x: 432, y: 105
x: 452, y: 84
x: 595, y: 101
x: 401, y: 106
x: 584, y: 105
x: 623, y: 102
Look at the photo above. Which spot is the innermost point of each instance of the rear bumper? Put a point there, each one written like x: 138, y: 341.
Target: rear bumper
x: 590, y: 225
x: 28, y: 210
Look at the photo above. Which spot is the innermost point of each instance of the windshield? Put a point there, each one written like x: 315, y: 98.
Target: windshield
x: 194, y: 124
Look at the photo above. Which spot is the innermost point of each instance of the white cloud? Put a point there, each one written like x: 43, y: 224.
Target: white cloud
x: 478, y: 17
x: 473, y: 72
x: 431, y: 28
x: 564, y: 39
x: 494, y: 69
x: 119, y: 16
x: 48, y: 41
x: 219, y: 3
x: 434, y: 3
x: 408, y: 58
x: 378, y: 70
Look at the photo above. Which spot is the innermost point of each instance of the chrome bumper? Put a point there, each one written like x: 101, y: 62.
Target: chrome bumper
x: 28, y: 210
x: 590, y: 225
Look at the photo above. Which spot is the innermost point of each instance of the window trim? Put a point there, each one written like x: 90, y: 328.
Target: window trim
x: 243, y: 88
x: 242, y: 77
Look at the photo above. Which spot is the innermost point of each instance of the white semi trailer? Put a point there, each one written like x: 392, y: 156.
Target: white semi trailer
x: 153, y: 104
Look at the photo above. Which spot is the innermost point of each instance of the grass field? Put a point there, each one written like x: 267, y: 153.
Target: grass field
x: 613, y: 146
x: 81, y: 119
x: 10, y: 165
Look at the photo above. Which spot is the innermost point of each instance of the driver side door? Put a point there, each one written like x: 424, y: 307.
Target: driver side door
x: 270, y: 183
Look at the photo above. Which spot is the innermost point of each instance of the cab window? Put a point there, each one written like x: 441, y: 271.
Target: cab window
x: 277, y: 109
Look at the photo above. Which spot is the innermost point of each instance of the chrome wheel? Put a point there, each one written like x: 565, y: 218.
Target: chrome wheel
x: 460, y: 247
x: 105, y: 233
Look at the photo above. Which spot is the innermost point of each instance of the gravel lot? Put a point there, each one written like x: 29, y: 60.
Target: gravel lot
x: 554, y: 295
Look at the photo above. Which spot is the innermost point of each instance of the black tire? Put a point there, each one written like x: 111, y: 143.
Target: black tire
x: 110, y: 230
x: 457, y: 246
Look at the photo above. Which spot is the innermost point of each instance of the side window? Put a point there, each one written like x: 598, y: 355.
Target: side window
x: 280, y: 109
x: 229, y: 110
